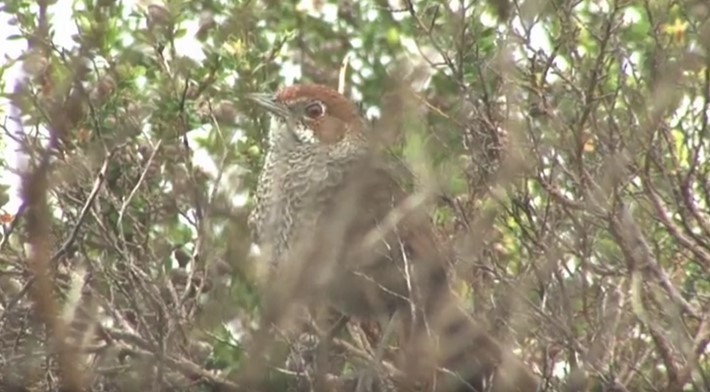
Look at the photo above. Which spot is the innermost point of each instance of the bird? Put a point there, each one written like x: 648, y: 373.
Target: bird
x: 335, y: 216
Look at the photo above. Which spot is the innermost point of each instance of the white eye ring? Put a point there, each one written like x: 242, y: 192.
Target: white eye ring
x: 314, y: 110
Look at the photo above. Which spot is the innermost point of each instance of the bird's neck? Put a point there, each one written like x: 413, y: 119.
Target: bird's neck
x: 285, y: 142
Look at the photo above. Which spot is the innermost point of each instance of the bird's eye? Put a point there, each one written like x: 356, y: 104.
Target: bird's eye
x: 315, y: 110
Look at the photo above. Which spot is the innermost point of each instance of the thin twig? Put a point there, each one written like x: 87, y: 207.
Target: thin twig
x: 98, y: 182
x: 343, y: 72
x: 137, y: 185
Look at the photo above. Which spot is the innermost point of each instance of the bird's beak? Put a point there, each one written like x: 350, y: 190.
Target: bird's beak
x: 268, y: 101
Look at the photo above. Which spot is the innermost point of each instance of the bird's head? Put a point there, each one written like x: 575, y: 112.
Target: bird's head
x: 308, y: 115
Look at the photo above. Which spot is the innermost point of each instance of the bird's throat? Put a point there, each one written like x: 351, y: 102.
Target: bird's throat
x: 286, y: 134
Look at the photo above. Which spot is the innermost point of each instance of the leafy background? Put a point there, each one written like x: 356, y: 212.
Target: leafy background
x: 568, y: 140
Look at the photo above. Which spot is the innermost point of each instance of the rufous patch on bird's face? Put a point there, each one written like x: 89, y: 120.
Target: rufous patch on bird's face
x: 324, y: 111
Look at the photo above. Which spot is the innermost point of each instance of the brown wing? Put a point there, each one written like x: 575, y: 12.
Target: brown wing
x: 383, y: 232
x: 389, y: 260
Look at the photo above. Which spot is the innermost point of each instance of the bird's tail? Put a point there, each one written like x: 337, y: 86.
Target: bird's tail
x: 447, y: 343
x: 459, y: 355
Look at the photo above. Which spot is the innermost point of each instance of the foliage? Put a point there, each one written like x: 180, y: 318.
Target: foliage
x: 568, y: 139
